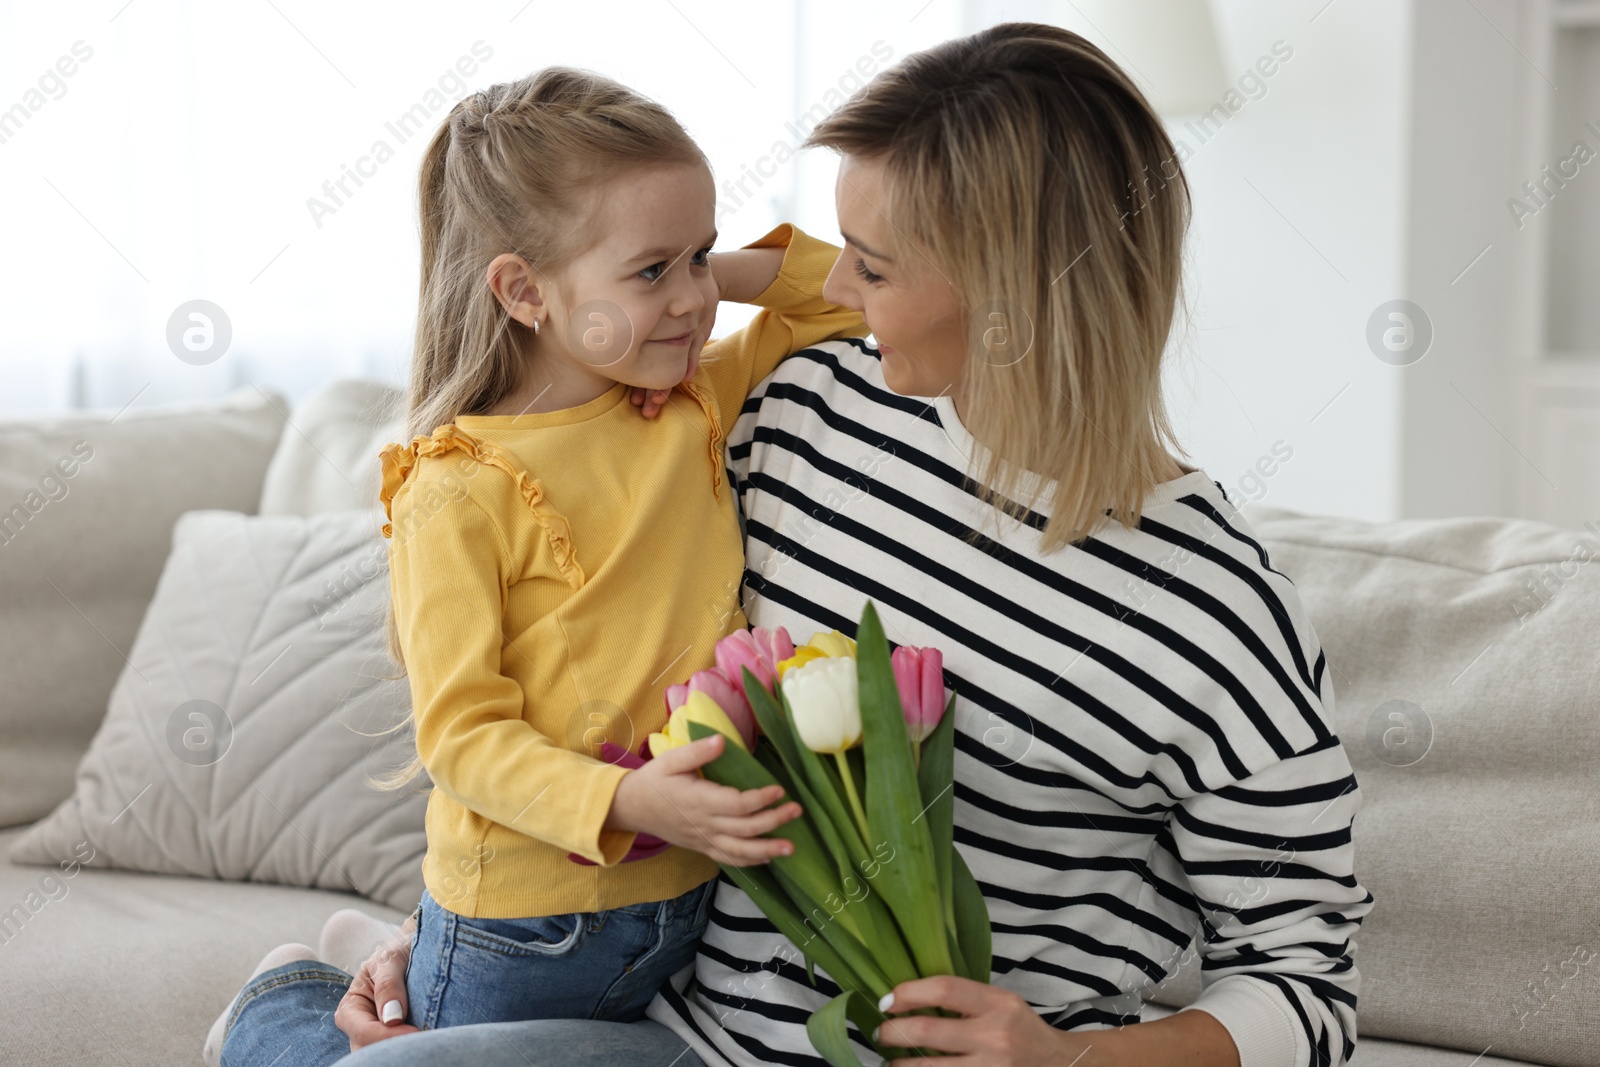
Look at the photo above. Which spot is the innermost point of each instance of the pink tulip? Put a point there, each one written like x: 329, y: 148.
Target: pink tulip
x: 727, y: 696
x: 761, y: 650
x: 919, y: 675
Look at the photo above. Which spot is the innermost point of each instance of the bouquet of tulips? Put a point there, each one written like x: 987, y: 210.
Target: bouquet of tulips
x: 874, y: 892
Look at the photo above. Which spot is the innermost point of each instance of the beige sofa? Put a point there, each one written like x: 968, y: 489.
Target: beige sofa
x: 1467, y: 680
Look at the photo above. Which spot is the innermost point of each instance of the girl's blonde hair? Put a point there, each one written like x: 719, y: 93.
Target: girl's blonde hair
x: 517, y: 167
x: 1026, y: 167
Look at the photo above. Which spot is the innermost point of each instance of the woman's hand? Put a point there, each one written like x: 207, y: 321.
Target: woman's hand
x: 997, y: 1028
x: 668, y: 798
x: 381, y: 980
x: 651, y: 401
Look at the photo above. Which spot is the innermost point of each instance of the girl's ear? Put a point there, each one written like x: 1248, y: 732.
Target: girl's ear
x: 518, y: 288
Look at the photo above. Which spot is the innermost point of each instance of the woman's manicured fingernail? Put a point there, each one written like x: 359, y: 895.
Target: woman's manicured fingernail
x: 886, y: 1002
x: 876, y: 1030
x: 392, y: 1012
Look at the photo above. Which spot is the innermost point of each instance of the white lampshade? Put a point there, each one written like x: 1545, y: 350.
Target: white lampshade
x: 1169, y: 47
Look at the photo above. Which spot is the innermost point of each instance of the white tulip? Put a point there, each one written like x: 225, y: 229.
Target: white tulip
x: 822, y: 696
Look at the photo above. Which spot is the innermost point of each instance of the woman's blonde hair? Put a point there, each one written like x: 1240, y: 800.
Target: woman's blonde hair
x: 1032, y: 173
x: 517, y: 167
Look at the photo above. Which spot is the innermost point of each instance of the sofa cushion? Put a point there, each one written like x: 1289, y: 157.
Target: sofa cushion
x: 250, y: 712
x: 70, y: 486
x: 328, y: 460
x: 1467, y: 693
x: 130, y: 969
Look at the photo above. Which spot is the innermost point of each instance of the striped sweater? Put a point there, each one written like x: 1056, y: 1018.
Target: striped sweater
x: 1144, y: 731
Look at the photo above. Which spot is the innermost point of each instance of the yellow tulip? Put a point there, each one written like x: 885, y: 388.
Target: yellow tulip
x: 802, y: 655
x: 660, y: 743
x: 700, y: 708
x: 832, y: 643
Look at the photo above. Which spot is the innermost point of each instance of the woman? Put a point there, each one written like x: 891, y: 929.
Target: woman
x: 1145, y: 746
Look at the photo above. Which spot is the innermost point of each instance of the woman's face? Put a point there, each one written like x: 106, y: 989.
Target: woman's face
x: 910, y: 307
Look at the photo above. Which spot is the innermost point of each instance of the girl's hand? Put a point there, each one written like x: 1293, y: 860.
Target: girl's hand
x: 997, y: 1028
x: 666, y: 797
x: 381, y: 980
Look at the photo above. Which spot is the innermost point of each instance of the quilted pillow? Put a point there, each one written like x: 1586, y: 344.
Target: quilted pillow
x: 85, y: 527
x: 247, y: 716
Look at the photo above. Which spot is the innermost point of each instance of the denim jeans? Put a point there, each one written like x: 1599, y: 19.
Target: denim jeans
x: 583, y: 965
x: 284, y: 1018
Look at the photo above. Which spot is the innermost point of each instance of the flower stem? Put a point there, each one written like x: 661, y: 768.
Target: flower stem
x: 855, y: 801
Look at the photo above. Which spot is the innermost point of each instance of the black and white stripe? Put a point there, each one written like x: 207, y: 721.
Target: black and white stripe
x: 1144, y: 736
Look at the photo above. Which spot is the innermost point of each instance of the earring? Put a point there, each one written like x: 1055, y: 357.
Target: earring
x: 536, y: 327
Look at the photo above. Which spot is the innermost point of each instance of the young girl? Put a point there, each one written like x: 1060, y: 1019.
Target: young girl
x: 556, y: 560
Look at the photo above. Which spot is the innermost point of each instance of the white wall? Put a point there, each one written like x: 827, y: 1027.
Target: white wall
x: 1297, y: 236
x: 178, y: 163
x: 1463, y: 446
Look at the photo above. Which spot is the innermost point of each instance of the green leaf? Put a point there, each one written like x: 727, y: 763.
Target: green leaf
x: 869, y: 980
x: 871, y: 915
x: 879, y: 926
x: 766, y: 754
x: 973, y: 931
x: 770, y: 758
x: 811, y: 866
x: 957, y: 957
x: 762, y: 887
x: 907, y: 880
x: 828, y: 1033
x: 774, y: 724
x: 830, y: 1037
x: 936, y: 786
x: 810, y: 770
x: 857, y: 761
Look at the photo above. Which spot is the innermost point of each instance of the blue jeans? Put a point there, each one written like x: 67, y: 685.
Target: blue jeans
x: 582, y: 965
x: 284, y: 1018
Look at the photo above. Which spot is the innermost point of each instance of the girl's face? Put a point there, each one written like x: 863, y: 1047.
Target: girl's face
x: 911, y: 309
x: 639, y: 303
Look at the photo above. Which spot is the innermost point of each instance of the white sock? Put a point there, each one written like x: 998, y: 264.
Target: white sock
x: 350, y: 936
x: 212, y: 1052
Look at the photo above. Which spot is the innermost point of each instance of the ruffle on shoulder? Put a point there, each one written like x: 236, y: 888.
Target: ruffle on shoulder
x: 398, y: 460
x: 698, y: 391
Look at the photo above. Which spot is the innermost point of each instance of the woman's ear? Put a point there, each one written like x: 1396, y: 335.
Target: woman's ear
x: 517, y: 286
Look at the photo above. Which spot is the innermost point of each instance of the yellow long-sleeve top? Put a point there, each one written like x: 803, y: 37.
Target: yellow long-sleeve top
x: 552, y: 573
